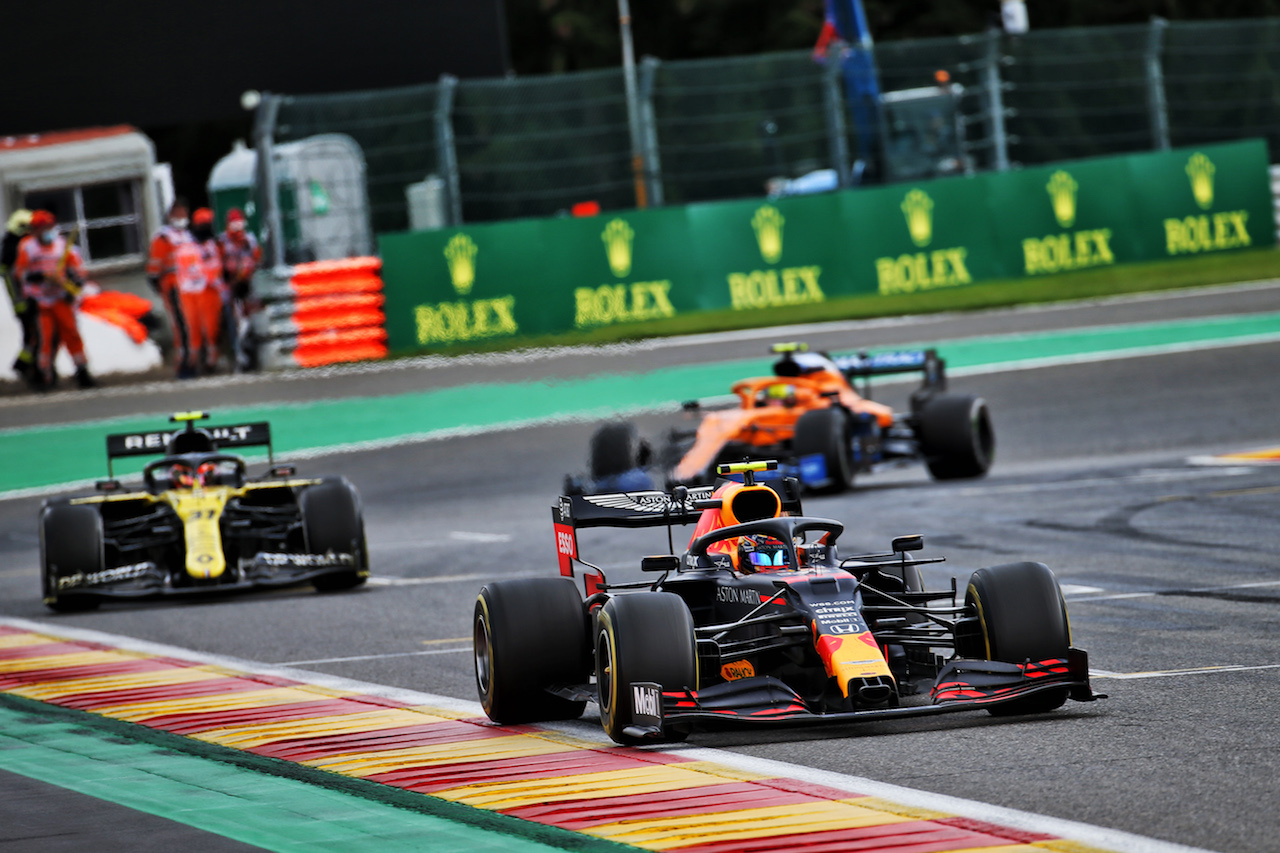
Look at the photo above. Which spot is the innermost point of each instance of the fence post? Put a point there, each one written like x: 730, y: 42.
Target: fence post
x: 1157, y: 106
x: 649, y: 130
x: 446, y: 153
x: 264, y: 130
x: 837, y: 130
x: 995, y: 101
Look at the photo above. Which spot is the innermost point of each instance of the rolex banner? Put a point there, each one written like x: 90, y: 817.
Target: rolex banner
x: 542, y: 277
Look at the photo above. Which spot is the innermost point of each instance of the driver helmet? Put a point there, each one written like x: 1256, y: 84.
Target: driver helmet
x: 760, y: 553
x: 183, y: 477
x: 777, y: 394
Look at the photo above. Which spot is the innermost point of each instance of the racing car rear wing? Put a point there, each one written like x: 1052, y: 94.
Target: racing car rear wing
x: 643, y: 509
x: 863, y: 366
x: 156, y: 443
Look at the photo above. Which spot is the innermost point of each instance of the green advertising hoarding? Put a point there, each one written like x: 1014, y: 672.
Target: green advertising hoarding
x: 549, y: 276
x: 760, y: 255
x: 1056, y: 219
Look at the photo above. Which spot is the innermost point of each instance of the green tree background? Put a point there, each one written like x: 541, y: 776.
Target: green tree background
x: 550, y: 36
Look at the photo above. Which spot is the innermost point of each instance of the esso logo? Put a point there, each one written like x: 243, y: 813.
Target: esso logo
x: 564, y: 543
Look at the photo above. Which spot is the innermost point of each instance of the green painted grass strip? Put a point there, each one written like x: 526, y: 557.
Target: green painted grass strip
x: 219, y: 791
x: 42, y: 457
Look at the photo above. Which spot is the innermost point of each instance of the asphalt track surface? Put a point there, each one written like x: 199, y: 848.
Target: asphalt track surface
x: 1172, y: 568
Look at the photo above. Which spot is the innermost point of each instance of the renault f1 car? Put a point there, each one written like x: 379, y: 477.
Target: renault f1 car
x: 200, y: 524
x: 812, y: 417
x: 761, y: 621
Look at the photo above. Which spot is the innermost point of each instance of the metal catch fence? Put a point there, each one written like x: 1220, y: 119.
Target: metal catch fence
x: 728, y: 128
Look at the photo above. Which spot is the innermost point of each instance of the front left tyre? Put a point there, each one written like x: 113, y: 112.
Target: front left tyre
x: 70, y: 546
x: 529, y: 635
x: 1023, y: 617
x: 332, y: 522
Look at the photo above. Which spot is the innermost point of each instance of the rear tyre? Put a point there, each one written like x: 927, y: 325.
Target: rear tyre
x: 642, y: 637
x: 332, y: 521
x: 956, y: 436
x: 1023, y: 617
x: 530, y: 634
x: 826, y: 432
x: 615, y: 449
x: 70, y: 544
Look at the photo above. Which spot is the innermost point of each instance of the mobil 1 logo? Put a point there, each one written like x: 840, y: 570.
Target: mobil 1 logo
x: 839, y: 617
x: 646, y: 705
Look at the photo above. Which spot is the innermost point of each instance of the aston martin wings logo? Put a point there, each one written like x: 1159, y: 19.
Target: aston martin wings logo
x: 649, y: 502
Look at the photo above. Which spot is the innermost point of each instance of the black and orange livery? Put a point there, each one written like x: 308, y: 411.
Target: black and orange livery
x: 761, y: 620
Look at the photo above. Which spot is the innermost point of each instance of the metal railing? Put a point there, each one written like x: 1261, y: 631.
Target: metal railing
x: 722, y: 128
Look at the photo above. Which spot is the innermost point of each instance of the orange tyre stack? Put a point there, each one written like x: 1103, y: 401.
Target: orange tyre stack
x: 336, y: 312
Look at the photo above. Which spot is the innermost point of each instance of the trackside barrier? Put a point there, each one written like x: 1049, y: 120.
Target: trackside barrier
x: 324, y: 312
x: 540, y: 277
x: 1275, y: 194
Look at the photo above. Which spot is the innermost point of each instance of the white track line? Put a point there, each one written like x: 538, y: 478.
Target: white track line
x: 1173, y: 673
x: 525, y: 356
x: 1119, y: 596
x: 1102, y: 837
x: 373, y: 657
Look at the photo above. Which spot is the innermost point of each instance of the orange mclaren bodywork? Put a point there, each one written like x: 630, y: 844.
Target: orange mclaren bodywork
x: 767, y: 412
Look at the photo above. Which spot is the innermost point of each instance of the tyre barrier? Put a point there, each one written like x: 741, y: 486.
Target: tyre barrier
x: 323, y: 312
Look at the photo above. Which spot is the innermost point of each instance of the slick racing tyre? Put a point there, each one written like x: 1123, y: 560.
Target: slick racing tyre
x: 70, y: 545
x: 826, y: 432
x: 1023, y: 617
x: 642, y: 637
x: 530, y: 634
x: 332, y: 521
x: 956, y: 437
x: 614, y: 450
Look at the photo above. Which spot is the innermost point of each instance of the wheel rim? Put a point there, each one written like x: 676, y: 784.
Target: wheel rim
x: 481, y: 645
x: 604, y: 675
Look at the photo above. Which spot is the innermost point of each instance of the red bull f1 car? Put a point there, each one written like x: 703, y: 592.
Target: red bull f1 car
x: 200, y: 524
x: 814, y: 415
x: 761, y: 620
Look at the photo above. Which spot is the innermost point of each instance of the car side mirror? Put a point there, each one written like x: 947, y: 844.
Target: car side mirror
x: 908, y: 543
x: 660, y: 563
x: 283, y: 471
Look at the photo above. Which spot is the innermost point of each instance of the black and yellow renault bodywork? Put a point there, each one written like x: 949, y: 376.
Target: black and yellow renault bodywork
x: 199, y: 523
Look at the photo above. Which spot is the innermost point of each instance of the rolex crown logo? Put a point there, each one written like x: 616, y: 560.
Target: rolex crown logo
x: 1062, y: 192
x: 918, y: 208
x: 617, y: 237
x: 1200, y: 170
x: 768, y: 223
x: 461, y: 255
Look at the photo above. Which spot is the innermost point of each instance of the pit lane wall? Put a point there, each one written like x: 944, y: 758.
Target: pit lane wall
x: 541, y: 277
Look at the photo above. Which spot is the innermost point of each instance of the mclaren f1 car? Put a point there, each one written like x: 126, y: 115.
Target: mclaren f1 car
x: 200, y: 523
x: 761, y: 620
x: 815, y: 415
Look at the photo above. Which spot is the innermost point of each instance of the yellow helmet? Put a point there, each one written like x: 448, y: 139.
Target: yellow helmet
x: 20, y: 220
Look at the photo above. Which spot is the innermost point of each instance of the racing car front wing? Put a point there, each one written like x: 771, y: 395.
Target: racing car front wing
x: 963, y: 685
x: 265, y: 570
